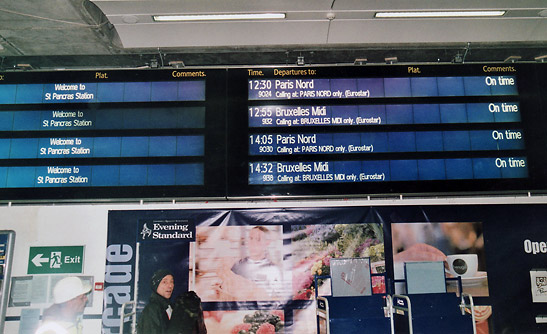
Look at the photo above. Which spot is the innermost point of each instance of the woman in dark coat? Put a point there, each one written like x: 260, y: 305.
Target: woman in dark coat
x: 156, y: 315
x: 187, y: 315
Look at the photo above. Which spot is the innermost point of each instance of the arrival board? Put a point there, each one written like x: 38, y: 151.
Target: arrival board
x: 386, y: 129
x: 111, y: 134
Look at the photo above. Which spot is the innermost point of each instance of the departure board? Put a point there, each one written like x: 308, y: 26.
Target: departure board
x: 273, y: 131
x: 385, y: 129
x: 112, y: 134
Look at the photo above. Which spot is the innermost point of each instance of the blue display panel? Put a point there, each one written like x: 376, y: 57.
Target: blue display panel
x: 379, y: 114
x: 102, y: 175
x: 276, y: 172
x: 307, y: 88
x: 101, y: 147
x: 104, y: 119
x: 103, y: 92
x: 385, y: 142
x: 112, y: 134
x: 388, y: 129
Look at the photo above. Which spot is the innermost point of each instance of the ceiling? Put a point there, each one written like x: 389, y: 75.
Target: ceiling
x: 67, y: 34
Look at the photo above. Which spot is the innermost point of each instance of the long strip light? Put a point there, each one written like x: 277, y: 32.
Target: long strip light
x: 441, y: 14
x: 218, y: 17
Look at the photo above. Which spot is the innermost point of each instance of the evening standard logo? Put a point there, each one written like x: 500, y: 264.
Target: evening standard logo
x: 167, y: 230
x: 146, y: 232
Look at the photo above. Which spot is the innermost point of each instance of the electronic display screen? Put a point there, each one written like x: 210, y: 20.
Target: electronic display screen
x: 112, y: 134
x: 337, y: 131
x: 275, y: 131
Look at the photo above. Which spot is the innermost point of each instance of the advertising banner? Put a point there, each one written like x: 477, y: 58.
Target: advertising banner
x: 254, y: 270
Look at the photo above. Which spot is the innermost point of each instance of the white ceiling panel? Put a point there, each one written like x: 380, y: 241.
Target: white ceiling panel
x: 313, y: 22
x: 454, y: 31
x: 374, y: 5
x: 150, y: 7
x: 222, y: 34
x: 123, y: 32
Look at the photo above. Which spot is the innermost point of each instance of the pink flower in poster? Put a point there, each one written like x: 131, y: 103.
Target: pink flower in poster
x: 266, y: 328
x: 302, y: 281
x: 279, y: 313
x: 333, y: 251
x: 239, y: 328
x: 304, y: 295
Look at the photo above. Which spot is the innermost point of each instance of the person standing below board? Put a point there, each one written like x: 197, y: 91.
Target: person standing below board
x: 156, y: 315
x: 65, y: 315
x: 187, y: 315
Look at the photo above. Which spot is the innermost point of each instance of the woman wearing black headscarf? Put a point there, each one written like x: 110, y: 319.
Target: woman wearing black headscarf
x: 187, y: 315
x: 155, y: 316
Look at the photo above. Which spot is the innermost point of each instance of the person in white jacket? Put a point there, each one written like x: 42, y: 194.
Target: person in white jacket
x: 65, y: 315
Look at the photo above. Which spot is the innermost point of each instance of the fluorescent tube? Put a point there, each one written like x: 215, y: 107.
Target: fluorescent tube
x: 218, y: 17
x: 440, y: 14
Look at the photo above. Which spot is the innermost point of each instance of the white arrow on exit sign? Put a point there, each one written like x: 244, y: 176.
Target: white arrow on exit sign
x: 38, y: 259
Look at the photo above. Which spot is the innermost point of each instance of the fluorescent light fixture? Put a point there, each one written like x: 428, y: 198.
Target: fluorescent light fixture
x: 512, y: 59
x: 440, y: 14
x: 391, y: 60
x: 176, y: 63
x: 218, y: 17
x: 24, y: 66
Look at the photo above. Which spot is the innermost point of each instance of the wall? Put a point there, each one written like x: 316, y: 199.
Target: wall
x: 86, y: 224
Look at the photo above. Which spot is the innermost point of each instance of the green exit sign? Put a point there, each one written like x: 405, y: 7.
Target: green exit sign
x: 56, y: 260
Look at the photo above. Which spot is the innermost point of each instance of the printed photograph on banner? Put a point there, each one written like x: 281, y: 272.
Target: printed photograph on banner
x: 313, y: 246
x: 460, y: 245
x: 246, y: 321
x: 238, y: 263
x: 350, y: 277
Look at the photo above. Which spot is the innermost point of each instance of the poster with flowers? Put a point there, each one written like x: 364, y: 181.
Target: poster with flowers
x: 313, y: 246
x: 245, y: 322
